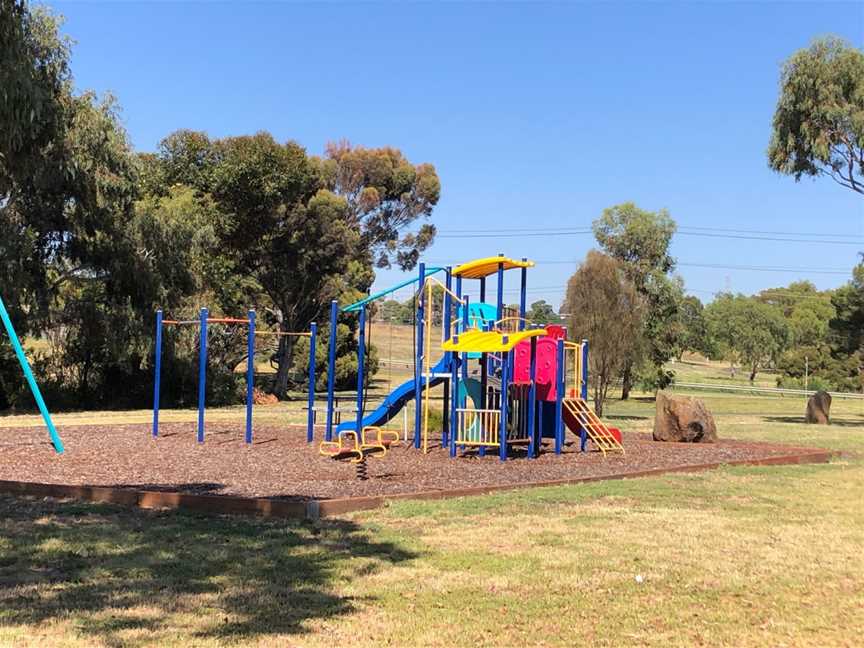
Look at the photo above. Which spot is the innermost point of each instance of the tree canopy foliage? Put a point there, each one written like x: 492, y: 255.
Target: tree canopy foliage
x: 385, y: 194
x: 606, y: 309
x: 818, y: 126
x: 70, y: 263
x: 848, y: 321
x: 809, y: 336
x: 93, y: 238
x: 748, y: 331
x: 694, y: 332
x: 35, y: 82
x: 807, y: 311
x: 295, y: 231
x: 640, y: 240
x: 541, y: 312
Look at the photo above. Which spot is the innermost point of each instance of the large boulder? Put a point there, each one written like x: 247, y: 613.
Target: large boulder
x: 683, y: 418
x: 818, y: 408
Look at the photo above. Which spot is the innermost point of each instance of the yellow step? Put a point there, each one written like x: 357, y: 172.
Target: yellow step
x: 596, y: 429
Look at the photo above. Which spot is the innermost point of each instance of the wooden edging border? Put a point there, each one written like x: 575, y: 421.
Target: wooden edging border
x: 312, y: 510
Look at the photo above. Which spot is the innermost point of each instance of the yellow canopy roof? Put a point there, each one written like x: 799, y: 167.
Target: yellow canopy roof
x: 476, y: 341
x: 480, y: 268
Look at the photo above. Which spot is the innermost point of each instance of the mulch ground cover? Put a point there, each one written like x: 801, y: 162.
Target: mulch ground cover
x: 280, y: 464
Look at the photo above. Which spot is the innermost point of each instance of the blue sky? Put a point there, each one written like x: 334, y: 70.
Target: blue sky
x: 535, y: 115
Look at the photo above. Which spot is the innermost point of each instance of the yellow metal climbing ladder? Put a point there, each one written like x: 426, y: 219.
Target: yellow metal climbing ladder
x: 581, y: 412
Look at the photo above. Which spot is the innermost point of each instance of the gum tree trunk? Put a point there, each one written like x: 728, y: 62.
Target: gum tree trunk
x: 626, y: 382
x: 285, y: 360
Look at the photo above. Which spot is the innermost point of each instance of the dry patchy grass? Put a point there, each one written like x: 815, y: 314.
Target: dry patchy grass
x: 761, y: 556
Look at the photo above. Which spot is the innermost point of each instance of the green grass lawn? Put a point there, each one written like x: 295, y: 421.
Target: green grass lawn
x: 694, y: 369
x: 767, y: 556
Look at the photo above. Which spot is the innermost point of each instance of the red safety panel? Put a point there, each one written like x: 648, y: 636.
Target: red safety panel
x: 555, y: 332
x: 547, y: 372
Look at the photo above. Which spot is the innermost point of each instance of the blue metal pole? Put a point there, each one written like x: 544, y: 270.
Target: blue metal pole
x: 310, y: 414
x: 500, y: 311
x: 157, y: 373
x: 484, y: 359
x: 466, y: 303
x: 584, y: 376
x: 454, y: 370
x: 559, y: 398
x: 202, y: 375
x: 541, y: 409
x: 532, y: 397
x: 331, y: 368
x: 583, y: 392
x: 498, y: 316
x: 505, y: 388
x: 31, y: 380
x: 361, y: 365
x: 250, y: 374
x: 448, y: 306
x: 418, y: 365
x: 523, y: 290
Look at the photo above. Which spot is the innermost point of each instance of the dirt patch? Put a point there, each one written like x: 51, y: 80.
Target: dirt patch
x: 281, y: 465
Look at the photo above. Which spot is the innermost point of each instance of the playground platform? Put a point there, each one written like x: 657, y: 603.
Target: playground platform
x: 281, y: 475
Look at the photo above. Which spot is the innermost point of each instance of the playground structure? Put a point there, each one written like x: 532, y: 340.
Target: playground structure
x: 203, y: 322
x: 507, y: 382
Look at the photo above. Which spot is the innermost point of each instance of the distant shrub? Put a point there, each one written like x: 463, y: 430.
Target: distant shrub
x: 814, y: 383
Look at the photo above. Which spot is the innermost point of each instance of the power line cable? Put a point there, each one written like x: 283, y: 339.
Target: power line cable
x: 720, y: 266
x: 772, y: 232
x: 746, y: 237
x: 583, y: 229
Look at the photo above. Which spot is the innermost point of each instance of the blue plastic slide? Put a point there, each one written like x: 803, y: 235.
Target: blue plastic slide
x: 394, y: 402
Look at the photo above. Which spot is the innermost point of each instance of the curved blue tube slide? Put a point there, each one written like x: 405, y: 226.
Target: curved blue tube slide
x: 397, y: 399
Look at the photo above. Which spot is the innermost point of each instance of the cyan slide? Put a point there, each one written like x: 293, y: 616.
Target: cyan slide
x: 470, y: 388
x: 396, y: 400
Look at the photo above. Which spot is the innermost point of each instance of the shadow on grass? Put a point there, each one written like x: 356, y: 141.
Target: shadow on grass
x: 844, y: 422
x: 112, y: 571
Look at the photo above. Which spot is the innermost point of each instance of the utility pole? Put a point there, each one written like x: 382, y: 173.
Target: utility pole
x: 806, y: 375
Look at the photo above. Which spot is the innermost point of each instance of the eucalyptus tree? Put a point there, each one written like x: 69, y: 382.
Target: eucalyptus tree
x: 640, y: 240
x: 818, y: 126
x: 605, y: 308
x: 295, y: 231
